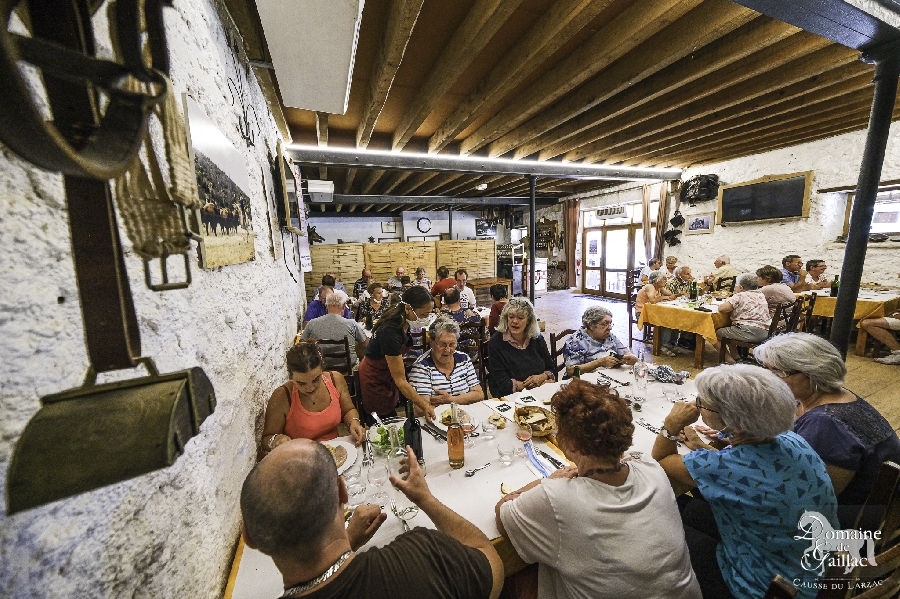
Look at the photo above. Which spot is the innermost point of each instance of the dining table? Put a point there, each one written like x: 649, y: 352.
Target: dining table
x: 254, y: 575
x: 682, y: 315
x: 869, y: 304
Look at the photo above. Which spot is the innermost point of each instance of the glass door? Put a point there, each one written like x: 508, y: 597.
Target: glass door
x: 592, y: 247
x: 617, y: 253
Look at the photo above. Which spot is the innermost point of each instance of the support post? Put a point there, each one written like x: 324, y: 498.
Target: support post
x: 450, y: 215
x: 887, y: 71
x: 532, y: 232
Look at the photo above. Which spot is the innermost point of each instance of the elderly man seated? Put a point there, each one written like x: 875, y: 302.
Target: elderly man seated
x: 394, y: 283
x: 680, y: 284
x: 723, y: 270
x: 333, y: 326
x: 317, y: 307
x: 594, y: 346
x: 792, y: 273
x: 815, y: 275
x: 362, y: 283
x: 881, y: 329
x: 292, y: 506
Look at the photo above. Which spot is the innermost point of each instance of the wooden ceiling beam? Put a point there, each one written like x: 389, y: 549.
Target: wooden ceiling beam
x: 368, y: 207
x: 852, y: 104
x: 657, y: 117
x: 699, y: 27
x: 353, y: 207
x: 439, y: 182
x: 729, y: 61
x: 396, y: 179
x: 739, y: 44
x: 794, y: 97
x: 635, y: 25
x: 370, y: 181
x: 549, y: 33
x: 322, y: 138
x: 415, y: 182
x: 401, y: 20
x: 478, y: 28
x: 348, y: 181
x: 470, y: 186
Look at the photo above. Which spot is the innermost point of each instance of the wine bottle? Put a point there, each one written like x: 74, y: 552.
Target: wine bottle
x: 369, y: 321
x: 693, y: 293
x: 576, y: 372
x: 835, y: 286
x: 456, y: 442
x: 412, y: 431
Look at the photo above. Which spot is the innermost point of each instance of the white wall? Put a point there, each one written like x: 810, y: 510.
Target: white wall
x: 463, y: 223
x: 169, y: 533
x: 353, y: 229
x: 836, y: 162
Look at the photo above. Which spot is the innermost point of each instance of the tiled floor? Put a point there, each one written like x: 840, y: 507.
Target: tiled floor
x: 562, y: 310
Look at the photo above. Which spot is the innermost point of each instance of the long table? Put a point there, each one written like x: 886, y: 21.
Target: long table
x: 255, y: 576
x: 676, y: 315
x: 869, y: 304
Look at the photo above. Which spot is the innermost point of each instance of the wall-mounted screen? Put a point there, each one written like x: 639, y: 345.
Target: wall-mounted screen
x: 767, y: 198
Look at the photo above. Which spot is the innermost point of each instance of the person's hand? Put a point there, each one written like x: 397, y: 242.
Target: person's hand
x: 440, y: 397
x: 429, y: 413
x: 693, y: 441
x: 357, y: 431
x: 705, y: 430
x: 535, y: 380
x: 565, y: 472
x: 629, y: 359
x: 414, y: 485
x: 682, y: 415
x: 608, y: 362
x: 366, y: 519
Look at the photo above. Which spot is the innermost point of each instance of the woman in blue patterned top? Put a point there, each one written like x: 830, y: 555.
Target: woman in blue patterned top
x: 742, y: 531
x: 594, y: 346
x: 850, y: 436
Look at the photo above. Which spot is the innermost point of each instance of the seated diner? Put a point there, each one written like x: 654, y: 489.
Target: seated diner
x: 499, y: 295
x: 453, y: 309
x: 373, y: 305
x: 311, y: 404
x: 519, y: 358
x: 749, y: 314
x: 741, y: 528
x: 594, y: 345
x: 652, y: 293
x: 333, y: 326
x: 770, y: 284
x: 442, y: 373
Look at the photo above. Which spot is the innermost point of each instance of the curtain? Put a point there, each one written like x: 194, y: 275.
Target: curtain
x: 645, y: 220
x: 662, y: 217
x: 571, y: 213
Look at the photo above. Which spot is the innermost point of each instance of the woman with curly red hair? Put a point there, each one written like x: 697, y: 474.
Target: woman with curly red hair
x: 619, y: 520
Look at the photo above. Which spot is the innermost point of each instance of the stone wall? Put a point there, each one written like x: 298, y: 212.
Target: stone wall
x: 170, y: 533
x: 835, y: 162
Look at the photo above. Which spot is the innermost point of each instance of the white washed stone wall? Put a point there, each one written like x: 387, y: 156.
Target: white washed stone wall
x: 835, y: 162
x: 170, y: 533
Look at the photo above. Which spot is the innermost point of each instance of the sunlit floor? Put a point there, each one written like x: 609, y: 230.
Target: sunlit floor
x: 562, y: 310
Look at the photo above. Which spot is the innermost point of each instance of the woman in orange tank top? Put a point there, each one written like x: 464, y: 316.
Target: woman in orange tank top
x: 311, y: 404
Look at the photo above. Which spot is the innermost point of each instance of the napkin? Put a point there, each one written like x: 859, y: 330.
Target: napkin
x: 529, y: 449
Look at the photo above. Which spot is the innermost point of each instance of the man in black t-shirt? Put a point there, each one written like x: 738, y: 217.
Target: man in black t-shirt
x: 292, y: 504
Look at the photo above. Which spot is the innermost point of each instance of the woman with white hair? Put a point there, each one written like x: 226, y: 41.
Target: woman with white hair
x: 750, y: 317
x: 519, y: 355
x: 443, y: 374
x: 743, y: 530
x: 850, y: 436
x: 594, y: 345
x: 652, y: 293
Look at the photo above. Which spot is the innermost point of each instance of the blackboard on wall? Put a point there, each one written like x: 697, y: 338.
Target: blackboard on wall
x: 767, y: 198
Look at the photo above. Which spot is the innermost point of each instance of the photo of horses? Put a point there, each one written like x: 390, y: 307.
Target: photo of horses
x: 226, y: 220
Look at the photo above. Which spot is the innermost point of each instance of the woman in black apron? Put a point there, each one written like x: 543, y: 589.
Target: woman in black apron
x: 382, y: 375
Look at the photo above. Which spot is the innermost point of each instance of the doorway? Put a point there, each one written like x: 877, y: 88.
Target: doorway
x: 609, y: 256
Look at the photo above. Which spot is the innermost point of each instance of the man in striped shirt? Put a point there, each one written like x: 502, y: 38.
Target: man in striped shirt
x: 442, y: 373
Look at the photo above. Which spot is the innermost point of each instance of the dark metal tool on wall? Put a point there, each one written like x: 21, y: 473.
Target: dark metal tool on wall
x: 95, y: 435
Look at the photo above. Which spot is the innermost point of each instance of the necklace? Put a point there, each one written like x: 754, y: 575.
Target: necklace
x: 595, y: 471
x: 305, y: 586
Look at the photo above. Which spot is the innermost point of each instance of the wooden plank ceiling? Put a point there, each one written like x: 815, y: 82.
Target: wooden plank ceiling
x: 670, y: 83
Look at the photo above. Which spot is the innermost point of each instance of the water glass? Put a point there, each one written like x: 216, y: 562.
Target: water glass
x: 488, y: 430
x: 468, y: 429
x: 357, y: 493
x: 406, y: 509
x: 506, y: 452
x: 637, y: 403
x: 668, y: 392
x: 351, y: 475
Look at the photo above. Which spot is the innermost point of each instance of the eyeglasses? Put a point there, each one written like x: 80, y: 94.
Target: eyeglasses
x: 605, y: 325
x: 446, y: 345
x: 782, y: 374
x: 700, y: 407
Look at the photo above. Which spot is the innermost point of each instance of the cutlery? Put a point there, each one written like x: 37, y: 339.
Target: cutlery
x: 396, y: 513
x: 474, y: 470
x: 550, y: 458
x: 435, y: 431
x: 436, y: 436
x: 366, y: 449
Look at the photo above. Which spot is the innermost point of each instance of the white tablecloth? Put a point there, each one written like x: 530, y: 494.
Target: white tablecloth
x: 474, y: 497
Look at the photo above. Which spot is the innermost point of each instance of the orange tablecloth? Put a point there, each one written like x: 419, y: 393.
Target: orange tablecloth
x: 683, y: 319
x: 867, y: 306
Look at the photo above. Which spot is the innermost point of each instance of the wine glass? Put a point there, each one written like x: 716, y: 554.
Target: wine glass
x: 668, y: 392
x: 378, y: 475
x: 406, y: 509
x: 357, y: 494
x: 523, y: 432
x: 468, y: 429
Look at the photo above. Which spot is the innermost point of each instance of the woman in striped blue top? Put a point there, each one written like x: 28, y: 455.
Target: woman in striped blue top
x: 442, y: 373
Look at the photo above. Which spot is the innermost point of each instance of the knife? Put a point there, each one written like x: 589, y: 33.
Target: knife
x: 434, y: 431
x: 550, y: 459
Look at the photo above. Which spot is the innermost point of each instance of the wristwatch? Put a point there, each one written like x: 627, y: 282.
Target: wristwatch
x: 665, y: 433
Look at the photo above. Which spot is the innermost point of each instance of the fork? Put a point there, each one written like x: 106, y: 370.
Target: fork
x: 366, y: 449
x: 396, y: 513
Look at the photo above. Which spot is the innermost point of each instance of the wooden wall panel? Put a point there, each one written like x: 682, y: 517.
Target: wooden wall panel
x: 344, y: 259
x: 383, y: 259
x: 478, y: 257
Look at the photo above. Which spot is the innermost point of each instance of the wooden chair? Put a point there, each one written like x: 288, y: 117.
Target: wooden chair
x: 556, y: 350
x: 882, y: 580
x: 780, y: 589
x: 882, y: 508
x: 773, y: 330
x: 726, y: 284
x: 420, y: 342
x: 337, y: 357
x: 483, y: 367
x: 631, y: 291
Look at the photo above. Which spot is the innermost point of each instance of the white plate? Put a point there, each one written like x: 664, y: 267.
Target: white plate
x: 351, y: 453
x: 462, y: 413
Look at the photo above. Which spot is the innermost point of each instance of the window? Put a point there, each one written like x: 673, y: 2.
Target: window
x: 886, y: 218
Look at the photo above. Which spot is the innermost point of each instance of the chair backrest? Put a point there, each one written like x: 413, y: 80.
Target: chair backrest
x: 356, y: 394
x: 483, y: 366
x: 777, y: 317
x: 556, y: 345
x: 780, y: 588
x: 336, y: 353
x: 726, y: 284
x: 882, y: 580
x: 791, y: 314
x: 804, y: 322
x: 882, y: 508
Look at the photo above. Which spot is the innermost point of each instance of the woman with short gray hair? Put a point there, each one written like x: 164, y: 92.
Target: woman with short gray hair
x: 850, y: 436
x: 750, y: 317
x: 594, y: 346
x: 443, y: 374
x: 421, y: 280
x: 519, y: 355
x: 754, y: 491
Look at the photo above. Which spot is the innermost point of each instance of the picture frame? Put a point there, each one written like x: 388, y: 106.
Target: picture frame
x: 700, y: 224
x: 389, y: 227
x: 485, y: 228
x: 287, y: 198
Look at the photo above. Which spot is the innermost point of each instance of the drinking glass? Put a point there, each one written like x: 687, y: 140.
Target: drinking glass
x: 468, y: 429
x: 506, y: 452
x: 406, y: 509
x: 357, y: 493
x: 351, y: 475
x: 523, y: 432
x: 378, y: 475
x: 637, y: 402
x: 488, y: 429
x: 668, y: 392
